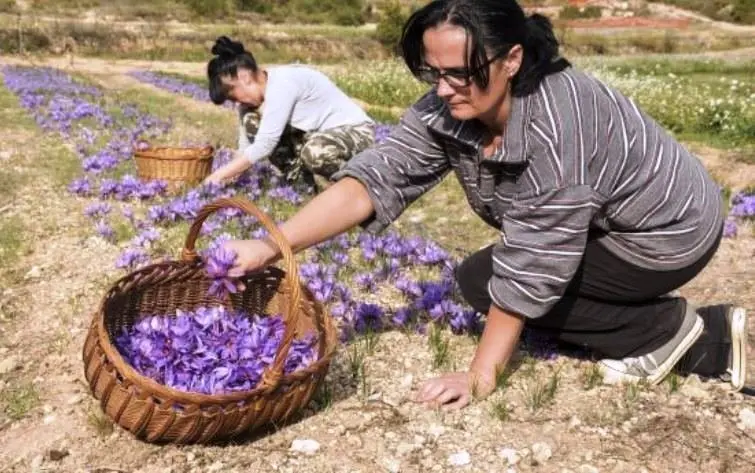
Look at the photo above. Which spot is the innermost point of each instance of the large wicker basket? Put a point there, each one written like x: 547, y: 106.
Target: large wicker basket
x: 157, y: 413
x: 175, y: 165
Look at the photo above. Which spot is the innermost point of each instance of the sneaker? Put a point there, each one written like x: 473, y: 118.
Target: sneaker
x: 655, y: 366
x: 721, y: 352
x: 737, y: 370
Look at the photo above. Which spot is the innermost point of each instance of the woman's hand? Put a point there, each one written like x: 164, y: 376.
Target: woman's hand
x: 230, y: 170
x: 455, y: 390
x: 213, y: 179
x: 251, y: 256
x: 498, y: 341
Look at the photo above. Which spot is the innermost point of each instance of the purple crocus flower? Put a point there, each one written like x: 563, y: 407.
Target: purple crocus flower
x: 340, y: 258
x: 158, y: 213
x: 368, y: 317
x: 128, y: 212
x: 97, y: 210
x: 365, y: 280
x: 466, y: 321
x: 80, y: 186
x: 408, y: 287
x: 285, y: 193
x: 730, y: 228
x: 131, y: 258
x: 433, y: 293
x: 402, y: 317
x: 147, y: 236
x: 743, y: 205
x: 105, y: 231
x: 218, y: 261
x: 108, y: 188
x: 432, y: 254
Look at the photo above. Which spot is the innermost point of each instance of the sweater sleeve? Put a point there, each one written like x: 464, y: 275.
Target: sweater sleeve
x: 543, y: 241
x: 398, y: 171
x: 279, y: 105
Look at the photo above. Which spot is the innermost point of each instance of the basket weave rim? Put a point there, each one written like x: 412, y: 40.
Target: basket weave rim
x: 190, y: 152
x: 150, y: 386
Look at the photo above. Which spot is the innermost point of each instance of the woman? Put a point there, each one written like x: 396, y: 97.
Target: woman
x: 601, y: 212
x: 292, y: 115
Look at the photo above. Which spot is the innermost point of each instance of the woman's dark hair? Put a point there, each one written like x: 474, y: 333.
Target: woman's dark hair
x: 230, y: 56
x: 493, y: 28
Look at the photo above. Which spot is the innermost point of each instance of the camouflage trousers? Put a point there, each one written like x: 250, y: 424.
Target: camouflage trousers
x: 304, y: 156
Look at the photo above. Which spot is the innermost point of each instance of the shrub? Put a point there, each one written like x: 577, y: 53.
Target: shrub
x: 213, y: 8
x: 8, y: 6
x: 391, y: 24
x: 256, y: 6
x: 571, y: 12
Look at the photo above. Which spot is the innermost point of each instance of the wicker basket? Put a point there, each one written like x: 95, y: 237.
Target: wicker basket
x: 175, y: 165
x: 157, y: 413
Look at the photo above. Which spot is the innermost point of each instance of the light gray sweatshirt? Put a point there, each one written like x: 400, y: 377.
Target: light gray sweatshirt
x: 302, y: 97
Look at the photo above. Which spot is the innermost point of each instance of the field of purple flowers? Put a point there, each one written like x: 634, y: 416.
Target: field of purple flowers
x: 397, y: 309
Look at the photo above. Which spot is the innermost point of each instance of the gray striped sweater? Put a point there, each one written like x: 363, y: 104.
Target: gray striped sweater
x: 577, y: 159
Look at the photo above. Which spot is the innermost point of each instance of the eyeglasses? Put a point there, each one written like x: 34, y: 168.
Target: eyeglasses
x: 454, y: 76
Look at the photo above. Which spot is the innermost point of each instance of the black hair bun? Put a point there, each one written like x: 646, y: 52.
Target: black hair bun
x: 225, y: 47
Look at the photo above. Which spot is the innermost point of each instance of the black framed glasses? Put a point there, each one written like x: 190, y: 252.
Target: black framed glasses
x: 454, y: 76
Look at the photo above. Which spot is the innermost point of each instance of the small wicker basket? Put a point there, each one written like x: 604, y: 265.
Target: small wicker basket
x: 175, y: 165
x: 157, y: 413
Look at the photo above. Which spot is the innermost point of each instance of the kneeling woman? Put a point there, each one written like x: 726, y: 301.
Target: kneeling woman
x: 292, y: 115
x: 602, y: 213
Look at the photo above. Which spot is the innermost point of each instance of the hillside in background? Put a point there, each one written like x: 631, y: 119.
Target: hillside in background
x: 329, y: 31
x: 355, y: 12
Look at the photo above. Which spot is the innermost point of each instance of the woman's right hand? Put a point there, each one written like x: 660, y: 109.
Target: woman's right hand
x: 213, y: 179
x: 251, y: 256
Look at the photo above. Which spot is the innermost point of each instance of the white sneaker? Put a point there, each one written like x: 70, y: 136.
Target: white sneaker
x: 655, y: 366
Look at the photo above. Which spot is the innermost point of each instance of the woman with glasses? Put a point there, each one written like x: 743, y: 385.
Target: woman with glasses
x: 294, y: 116
x: 602, y: 213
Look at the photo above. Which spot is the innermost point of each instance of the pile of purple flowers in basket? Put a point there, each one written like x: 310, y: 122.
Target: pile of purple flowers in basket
x: 210, y: 350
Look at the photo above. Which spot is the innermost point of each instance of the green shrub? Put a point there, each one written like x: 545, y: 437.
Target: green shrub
x: 391, y: 25
x: 8, y: 6
x: 341, y: 12
x: 571, y: 12
x: 255, y: 6
x: 32, y: 41
x: 212, y: 8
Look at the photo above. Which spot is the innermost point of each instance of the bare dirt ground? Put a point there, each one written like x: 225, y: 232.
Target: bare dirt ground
x: 50, y: 293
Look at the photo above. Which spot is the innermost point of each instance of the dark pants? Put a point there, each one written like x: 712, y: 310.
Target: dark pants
x: 611, y: 307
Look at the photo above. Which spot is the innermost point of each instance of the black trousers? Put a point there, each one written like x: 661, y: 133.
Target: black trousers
x: 611, y: 307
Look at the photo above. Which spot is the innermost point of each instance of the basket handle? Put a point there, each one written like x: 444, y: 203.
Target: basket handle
x: 272, y: 375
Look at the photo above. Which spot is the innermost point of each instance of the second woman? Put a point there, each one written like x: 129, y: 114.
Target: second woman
x: 292, y: 115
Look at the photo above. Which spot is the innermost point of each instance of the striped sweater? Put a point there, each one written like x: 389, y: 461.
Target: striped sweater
x: 577, y: 158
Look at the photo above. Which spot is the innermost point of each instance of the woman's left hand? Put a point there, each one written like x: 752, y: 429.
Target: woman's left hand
x: 453, y: 391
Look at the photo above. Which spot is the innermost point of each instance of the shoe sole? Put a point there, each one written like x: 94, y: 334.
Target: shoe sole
x: 738, y: 348
x: 665, y: 368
